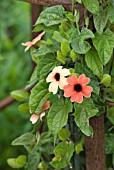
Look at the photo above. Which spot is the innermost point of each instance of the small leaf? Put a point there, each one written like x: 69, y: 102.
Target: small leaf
x: 106, y: 80
x: 65, y: 48
x: 74, y: 55
x: 24, y: 108
x: 79, y: 147
x: 51, y: 16
x: 45, y: 49
x: 20, y: 95
x: 100, y: 21
x: 39, y: 95
x: 61, y: 57
x: 93, y: 61
x: 58, y: 115
x: 83, y: 112
x: 63, y: 153
x: 92, y: 5
x: 58, y: 37
x: 63, y: 134
x: 25, y: 139
x: 104, y: 44
x: 18, y: 162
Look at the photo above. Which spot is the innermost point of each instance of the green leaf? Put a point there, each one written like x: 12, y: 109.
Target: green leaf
x: 104, y: 44
x: 20, y: 95
x: 83, y: 112
x: 46, y: 49
x: 61, y: 57
x: 65, y: 48
x: 109, y: 143
x: 93, y: 61
x: 58, y: 37
x: 25, y: 139
x: 83, y: 69
x: 18, y: 162
x: 46, y: 64
x: 33, y: 160
x: 63, y: 134
x: 58, y: 115
x: 39, y: 95
x: 41, y: 27
x: 63, y: 153
x: 43, y: 166
x: 100, y: 21
x: 74, y: 55
x: 79, y: 147
x: 91, y: 5
x: 78, y: 42
x: 24, y: 108
x: 110, y: 114
x: 106, y: 80
x: 51, y: 16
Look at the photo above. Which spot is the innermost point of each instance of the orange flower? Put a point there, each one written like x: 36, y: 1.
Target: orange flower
x: 77, y: 88
x: 34, y: 41
x: 34, y: 118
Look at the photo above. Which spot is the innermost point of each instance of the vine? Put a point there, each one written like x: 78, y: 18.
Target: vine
x: 72, y: 83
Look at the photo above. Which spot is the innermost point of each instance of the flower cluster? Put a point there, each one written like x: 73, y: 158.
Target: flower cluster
x: 73, y: 87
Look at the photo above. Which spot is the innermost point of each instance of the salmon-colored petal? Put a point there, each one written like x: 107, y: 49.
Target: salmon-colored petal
x: 46, y: 105
x: 62, y: 82
x: 38, y: 38
x: 72, y: 80
x: 83, y: 80
x: 86, y: 90
x: 77, y: 97
x: 53, y: 87
x: 50, y: 77
x: 34, y: 118
x: 65, y: 72
x: 27, y: 43
x: 42, y: 115
x: 68, y: 90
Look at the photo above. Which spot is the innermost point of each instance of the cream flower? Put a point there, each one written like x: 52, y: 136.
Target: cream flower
x: 34, y: 41
x: 57, y: 78
x: 34, y: 118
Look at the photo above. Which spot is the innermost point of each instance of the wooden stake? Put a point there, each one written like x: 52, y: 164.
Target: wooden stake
x: 95, y: 147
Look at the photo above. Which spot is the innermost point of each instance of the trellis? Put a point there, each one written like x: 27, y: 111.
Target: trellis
x: 95, y: 147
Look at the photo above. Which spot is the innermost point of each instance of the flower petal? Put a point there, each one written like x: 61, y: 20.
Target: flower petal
x: 62, y: 82
x: 65, y: 72
x: 27, y: 43
x: 86, y: 90
x: 68, y: 90
x: 77, y: 97
x: 72, y: 80
x: 50, y: 77
x: 83, y: 80
x: 38, y: 38
x: 34, y: 118
x: 57, y: 69
x: 53, y: 87
x: 27, y: 48
x: 46, y: 105
x: 42, y: 115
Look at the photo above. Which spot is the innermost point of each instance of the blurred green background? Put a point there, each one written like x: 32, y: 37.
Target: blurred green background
x: 15, y: 25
